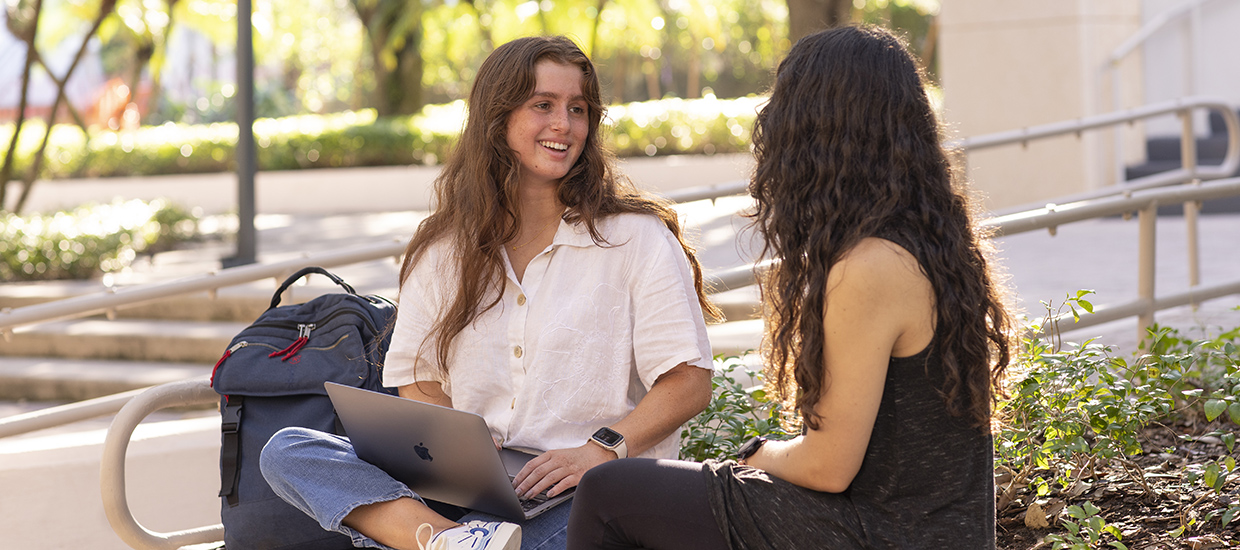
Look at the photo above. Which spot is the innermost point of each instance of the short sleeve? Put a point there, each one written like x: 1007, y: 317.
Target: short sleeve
x: 411, y: 357
x: 668, y: 326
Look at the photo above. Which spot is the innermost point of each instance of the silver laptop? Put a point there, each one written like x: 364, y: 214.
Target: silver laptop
x: 442, y: 454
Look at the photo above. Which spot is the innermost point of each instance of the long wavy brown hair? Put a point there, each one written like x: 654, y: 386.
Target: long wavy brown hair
x: 848, y: 148
x: 476, y: 193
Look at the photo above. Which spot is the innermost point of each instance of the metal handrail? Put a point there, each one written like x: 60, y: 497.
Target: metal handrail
x: 184, y: 393
x: 114, y: 298
x: 1155, y: 24
x: 1188, y: 171
x: 1145, y: 203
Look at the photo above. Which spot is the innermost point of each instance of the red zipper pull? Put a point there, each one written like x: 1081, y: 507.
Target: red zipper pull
x: 227, y: 353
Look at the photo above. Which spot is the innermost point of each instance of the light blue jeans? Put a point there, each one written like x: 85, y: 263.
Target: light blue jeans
x: 321, y: 475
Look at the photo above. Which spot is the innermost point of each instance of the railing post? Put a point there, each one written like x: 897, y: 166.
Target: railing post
x: 1146, y: 218
x: 1121, y: 172
x: 1191, y: 208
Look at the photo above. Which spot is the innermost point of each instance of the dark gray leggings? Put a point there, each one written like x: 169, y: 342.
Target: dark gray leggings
x: 643, y: 503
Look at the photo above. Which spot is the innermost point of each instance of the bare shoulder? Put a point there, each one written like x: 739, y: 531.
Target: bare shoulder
x: 886, y: 281
x: 876, y: 262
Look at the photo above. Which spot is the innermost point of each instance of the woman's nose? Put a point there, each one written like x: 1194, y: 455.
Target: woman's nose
x: 559, y: 119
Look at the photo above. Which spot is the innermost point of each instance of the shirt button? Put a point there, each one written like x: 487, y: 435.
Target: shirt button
x: 520, y: 299
x: 516, y: 351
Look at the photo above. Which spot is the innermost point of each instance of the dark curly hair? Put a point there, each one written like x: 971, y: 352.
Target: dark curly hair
x: 848, y: 148
x: 476, y: 193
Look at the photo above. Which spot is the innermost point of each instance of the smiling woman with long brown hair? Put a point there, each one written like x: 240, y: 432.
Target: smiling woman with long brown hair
x: 546, y: 294
x: 884, y: 327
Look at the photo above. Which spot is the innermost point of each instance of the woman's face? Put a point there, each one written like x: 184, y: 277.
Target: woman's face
x: 549, y: 130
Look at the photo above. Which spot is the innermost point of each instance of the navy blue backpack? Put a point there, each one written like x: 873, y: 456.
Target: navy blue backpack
x: 271, y: 377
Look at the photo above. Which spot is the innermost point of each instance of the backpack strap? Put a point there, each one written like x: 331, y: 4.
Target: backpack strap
x: 230, y: 422
x: 275, y: 299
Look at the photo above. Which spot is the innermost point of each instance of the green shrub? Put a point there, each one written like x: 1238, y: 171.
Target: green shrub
x: 735, y: 414
x: 89, y: 240
x: 350, y: 139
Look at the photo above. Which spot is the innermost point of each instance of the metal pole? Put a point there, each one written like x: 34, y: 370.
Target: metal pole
x: 1146, y: 218
x: 1121, y: 174
x: 1194, y: 256
x: 1188, y: 159
x: 247, y: 248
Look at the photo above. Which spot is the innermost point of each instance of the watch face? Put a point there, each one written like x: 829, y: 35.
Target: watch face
x: 750, y: 447
x: 608, y: 437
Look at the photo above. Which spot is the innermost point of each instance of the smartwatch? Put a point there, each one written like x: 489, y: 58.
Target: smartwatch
x: 750, y: 447
x: 611, y: 440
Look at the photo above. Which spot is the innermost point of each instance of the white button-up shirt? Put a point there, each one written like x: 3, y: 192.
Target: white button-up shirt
x: 571, y: 348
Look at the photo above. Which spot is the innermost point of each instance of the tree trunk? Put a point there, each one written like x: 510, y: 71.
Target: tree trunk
x: 6, y: 171
x: 37, y: 162
x: 809, y: 16
x: 404, y: 84
x: 160, y: 56
x: 594, y: 28
x: 397, y: 59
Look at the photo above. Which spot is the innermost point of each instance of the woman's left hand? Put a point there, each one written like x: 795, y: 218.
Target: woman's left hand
x: 559, y: 469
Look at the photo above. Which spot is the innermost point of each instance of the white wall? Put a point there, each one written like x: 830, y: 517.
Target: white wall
x: 1008, y: 64
x: 1168, y: 73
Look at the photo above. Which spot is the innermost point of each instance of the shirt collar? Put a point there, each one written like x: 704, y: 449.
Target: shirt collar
x: 572, y: 234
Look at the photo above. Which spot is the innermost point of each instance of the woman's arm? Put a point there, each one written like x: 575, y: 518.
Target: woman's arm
x: 426, y: 392
x: 676, y: 396
x: 879, y: 305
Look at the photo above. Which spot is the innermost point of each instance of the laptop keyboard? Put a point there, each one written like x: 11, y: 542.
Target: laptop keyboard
x: 528, y: 504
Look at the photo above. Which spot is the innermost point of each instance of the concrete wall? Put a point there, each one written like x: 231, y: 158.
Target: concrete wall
x: 1168, y: 71
x: 51, y: 494
x: 1008, y: 64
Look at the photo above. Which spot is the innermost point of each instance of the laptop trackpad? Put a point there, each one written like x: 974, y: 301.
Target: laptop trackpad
x: 514, y: 460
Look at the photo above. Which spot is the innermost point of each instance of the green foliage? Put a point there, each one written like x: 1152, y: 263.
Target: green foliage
x: 677, y: 126
x: 88, y: 240
x: 1086, y: 529
x: 360, y: 138
x: 1071, y: 407
x: 735, y: 414
x: 1074, y: 408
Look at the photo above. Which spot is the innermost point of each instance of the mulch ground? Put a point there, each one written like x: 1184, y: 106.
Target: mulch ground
x: 1147, y: 501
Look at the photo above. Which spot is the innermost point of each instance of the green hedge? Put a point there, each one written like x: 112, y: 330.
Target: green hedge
x: 89, y: 240
x: 662, y: 127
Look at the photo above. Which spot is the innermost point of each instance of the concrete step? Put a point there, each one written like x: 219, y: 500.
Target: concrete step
x: 1210, y: 150
x: 242, y: 303
x: 77, y: 360
x: 124, y: 339
x: 57, y: 379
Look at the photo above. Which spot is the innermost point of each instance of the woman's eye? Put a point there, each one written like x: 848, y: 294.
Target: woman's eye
x: 577, y: 110
x: 543, y: 105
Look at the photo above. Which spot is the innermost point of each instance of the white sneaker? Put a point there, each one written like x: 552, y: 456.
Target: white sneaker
x: 475, y: 535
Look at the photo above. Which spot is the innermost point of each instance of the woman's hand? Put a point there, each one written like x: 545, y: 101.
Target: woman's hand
x: 559, y: 470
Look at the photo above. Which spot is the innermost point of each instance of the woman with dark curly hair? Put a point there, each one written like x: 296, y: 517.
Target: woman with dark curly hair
x: 546, y: 294
x: 884, y: 326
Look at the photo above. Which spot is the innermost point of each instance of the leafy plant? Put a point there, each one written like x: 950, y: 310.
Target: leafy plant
x: 1086, y: 529
x: 735, y: 414
x: 1073, y: 407
x: 89, y: 240
x: 361, y: 138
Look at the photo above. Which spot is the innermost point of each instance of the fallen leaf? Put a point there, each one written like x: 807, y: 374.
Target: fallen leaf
x: 1035, y: 518
x: 1204, y: 542
x: 1077, y: 489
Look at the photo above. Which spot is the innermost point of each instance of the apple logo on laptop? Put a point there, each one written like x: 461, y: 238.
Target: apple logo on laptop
x: 423, y: 452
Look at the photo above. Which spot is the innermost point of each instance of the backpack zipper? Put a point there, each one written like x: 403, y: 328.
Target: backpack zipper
x: 289, y: 324
x: 303, y: 336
